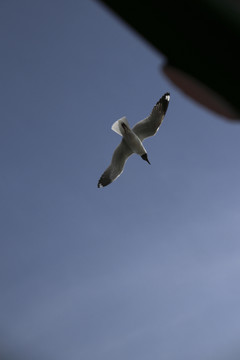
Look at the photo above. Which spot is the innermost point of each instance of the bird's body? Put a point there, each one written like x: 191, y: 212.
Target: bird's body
x: 122, y: 128
x: 132, y: 139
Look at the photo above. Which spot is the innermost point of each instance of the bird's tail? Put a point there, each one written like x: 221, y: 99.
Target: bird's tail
x: 116, y: 126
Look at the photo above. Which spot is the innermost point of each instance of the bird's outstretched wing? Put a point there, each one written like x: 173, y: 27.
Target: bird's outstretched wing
x: 150, y: 125
x: 120, y: 155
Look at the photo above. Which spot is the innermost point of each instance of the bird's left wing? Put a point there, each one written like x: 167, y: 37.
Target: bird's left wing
x: 150, y: 125
x: 120, y: 155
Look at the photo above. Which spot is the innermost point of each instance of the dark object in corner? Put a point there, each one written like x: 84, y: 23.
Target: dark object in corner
x: 201, y: 42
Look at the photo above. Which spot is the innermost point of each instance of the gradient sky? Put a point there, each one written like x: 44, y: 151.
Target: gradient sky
x: 146, y: 268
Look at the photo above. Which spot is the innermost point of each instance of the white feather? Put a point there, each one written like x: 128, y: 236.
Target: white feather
x: 116, y: 125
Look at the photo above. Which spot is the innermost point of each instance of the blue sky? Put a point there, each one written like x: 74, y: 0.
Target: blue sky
x: 146, y: 268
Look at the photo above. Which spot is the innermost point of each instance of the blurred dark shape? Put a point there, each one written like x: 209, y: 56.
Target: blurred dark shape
x: 200, y: 40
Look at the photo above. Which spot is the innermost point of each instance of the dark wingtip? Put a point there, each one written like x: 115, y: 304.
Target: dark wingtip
x: 165, y: 97
x: 164, y: 101
x: 104, y: 181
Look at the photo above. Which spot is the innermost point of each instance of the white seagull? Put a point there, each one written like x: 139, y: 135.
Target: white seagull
x: 132, y: 140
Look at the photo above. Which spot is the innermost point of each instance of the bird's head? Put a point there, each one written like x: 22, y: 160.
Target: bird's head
x: 145, y: 157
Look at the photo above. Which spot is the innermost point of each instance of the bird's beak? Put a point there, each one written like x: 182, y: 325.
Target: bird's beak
x: 145, y: 157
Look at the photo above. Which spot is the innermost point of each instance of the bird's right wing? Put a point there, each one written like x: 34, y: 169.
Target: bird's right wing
x: 150, y: 125
x: 115, y: 169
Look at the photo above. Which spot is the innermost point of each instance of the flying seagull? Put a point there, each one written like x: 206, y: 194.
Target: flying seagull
x: 132, y: 140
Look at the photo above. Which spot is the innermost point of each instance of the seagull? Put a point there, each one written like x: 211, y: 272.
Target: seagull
x: 132, y: 140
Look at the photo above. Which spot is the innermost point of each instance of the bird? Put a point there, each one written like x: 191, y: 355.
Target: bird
x: 132, y: 139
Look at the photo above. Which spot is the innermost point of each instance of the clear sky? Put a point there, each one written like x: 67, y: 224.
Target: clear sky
x: 146, y: 268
